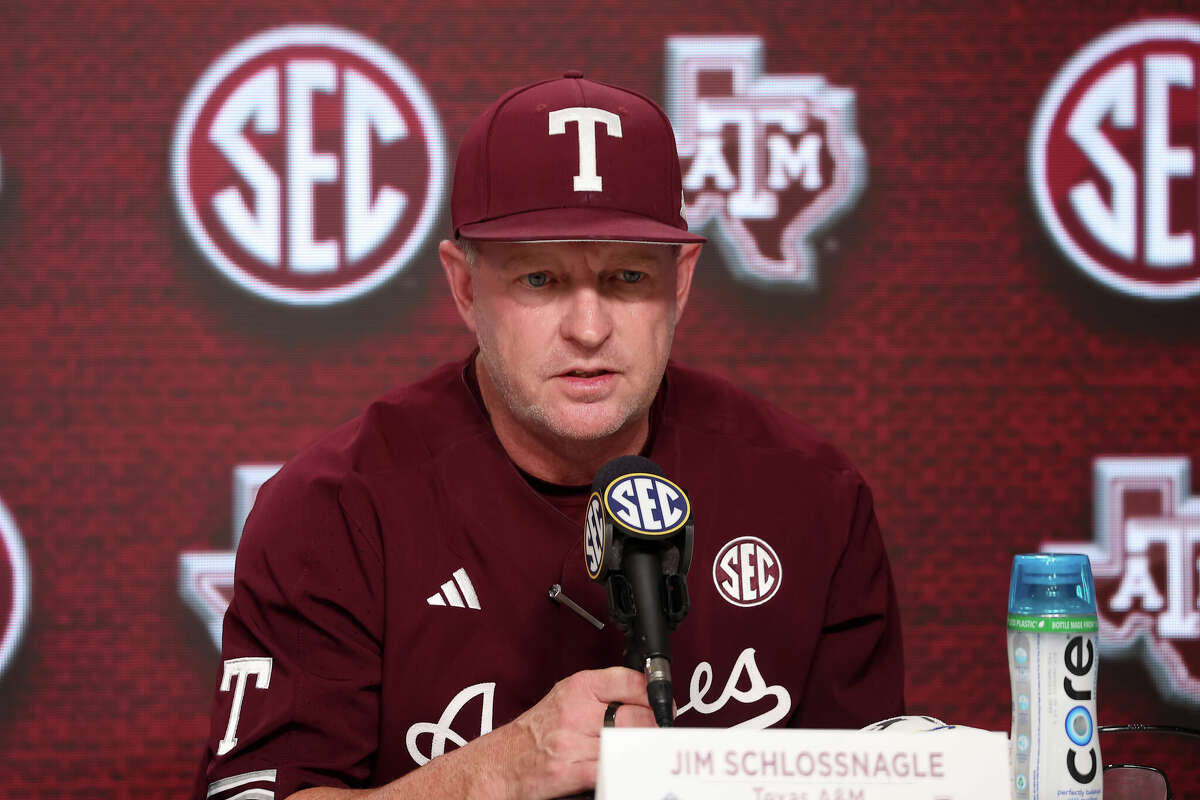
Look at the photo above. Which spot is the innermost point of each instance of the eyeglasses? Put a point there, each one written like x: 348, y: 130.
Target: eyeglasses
x: 1137, y: 781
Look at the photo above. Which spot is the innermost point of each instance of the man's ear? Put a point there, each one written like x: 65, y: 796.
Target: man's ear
x: 685, y: 267
x: 460, y: 275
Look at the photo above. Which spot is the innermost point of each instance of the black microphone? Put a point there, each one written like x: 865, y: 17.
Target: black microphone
x: 638, y: 541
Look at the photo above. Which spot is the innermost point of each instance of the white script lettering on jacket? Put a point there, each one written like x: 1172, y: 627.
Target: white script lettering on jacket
x: 699, y: 701
x: 745, y: 666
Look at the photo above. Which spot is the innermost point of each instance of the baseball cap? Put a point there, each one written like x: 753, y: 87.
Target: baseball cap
x: 570, y: 159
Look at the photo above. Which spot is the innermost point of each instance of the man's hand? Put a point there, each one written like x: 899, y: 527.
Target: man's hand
x: 552, y: 750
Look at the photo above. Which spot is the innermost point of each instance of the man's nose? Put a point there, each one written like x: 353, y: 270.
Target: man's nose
x: 586, y: 318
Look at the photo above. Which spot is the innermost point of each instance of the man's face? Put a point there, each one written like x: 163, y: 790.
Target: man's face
x: 575, y: 336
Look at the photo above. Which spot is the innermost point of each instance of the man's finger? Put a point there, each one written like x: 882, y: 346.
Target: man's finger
x: 619, y: 684
x: 631, y: 716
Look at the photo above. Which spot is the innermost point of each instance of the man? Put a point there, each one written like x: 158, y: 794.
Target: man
x: 390, y: 606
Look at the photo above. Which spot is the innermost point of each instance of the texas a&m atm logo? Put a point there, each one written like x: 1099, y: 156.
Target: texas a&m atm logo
x: 769, y: 160
x: 206, y: 576
x: 1112, y: 159
x: 14, y: 588
x: 308, y: 165
x: 1145, y: 559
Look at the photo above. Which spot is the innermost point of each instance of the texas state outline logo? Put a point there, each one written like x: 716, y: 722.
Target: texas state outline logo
x: 768, y: 161
x: 1144, y: 561
x: 308, y: 165
x: 15, y: 588
x: 206, y: 576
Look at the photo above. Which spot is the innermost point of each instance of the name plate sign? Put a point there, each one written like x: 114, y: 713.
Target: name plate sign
x: 700, y: 763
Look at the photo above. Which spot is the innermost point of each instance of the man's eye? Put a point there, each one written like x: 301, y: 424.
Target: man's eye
x: 537, y: 279
x: 631, y: 275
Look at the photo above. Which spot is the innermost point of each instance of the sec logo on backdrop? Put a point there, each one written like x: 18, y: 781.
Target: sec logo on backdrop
x: 1112, y: 159
x: 14, y: 588
x: 308, y: 165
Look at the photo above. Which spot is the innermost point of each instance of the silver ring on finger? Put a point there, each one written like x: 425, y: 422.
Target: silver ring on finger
x: 610, y: 714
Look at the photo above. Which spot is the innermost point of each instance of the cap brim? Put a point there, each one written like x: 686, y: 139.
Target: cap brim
x: 577, y: 225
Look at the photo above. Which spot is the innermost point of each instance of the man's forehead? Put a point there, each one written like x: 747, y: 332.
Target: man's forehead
x: 523, y: 254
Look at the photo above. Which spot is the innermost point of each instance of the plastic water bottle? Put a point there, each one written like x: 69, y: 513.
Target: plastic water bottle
x: 1053, y: 660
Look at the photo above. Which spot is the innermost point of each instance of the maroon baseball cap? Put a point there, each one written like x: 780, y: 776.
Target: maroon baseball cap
x: 570, y: 159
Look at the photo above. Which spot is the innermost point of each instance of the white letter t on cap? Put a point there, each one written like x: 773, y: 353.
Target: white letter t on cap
x: 587, y: 180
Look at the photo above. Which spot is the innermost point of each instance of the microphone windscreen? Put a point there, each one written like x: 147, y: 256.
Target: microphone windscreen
x: 624, y: 465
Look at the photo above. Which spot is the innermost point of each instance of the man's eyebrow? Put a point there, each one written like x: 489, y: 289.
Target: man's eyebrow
x: 524, y: 261
x: 632, y: 258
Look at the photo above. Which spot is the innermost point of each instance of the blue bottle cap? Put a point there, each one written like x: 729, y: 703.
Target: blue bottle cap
x: 1051, y: 584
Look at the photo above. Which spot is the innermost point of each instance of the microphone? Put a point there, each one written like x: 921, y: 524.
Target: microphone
x: 638, y: 539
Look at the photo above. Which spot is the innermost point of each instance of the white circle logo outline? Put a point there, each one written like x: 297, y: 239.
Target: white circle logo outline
x: 761, y: 543
x: 1179, y: 29
x: 382, y: 59
x: 14, y: 626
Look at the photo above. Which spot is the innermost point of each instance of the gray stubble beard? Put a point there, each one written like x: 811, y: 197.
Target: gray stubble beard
x: 535, y: 416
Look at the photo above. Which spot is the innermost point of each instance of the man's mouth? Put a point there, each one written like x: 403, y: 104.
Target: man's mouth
x: 586, y: 373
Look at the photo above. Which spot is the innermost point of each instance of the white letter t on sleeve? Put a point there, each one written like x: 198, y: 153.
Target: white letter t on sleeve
x: 238, y: 671
x: 586, y: 119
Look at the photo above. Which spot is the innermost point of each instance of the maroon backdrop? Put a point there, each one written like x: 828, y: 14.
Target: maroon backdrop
x: 948, y: 345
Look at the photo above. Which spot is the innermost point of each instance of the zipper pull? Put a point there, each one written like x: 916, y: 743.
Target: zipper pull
x: 555, y: 593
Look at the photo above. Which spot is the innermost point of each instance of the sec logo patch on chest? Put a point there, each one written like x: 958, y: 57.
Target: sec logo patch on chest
x: 747, y: 571
x: 308, y: 165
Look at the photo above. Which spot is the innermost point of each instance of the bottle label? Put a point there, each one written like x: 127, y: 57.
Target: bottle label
x: 1080, y: 624
x: 1055, y: 746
